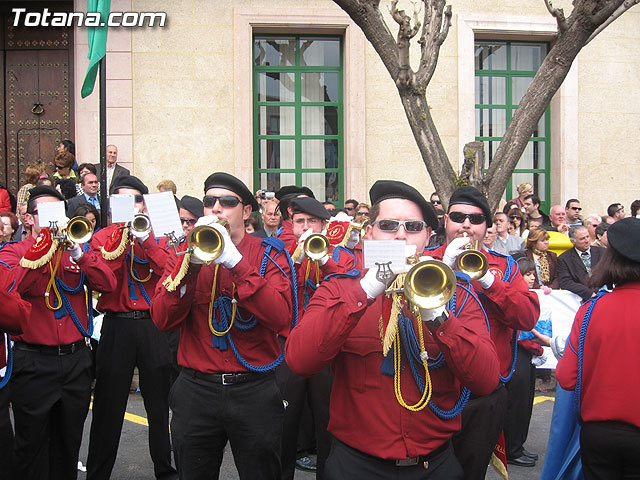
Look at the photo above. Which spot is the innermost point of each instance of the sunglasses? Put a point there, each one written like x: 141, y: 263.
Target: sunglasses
x: 363, y: 214
x: 190, y: 221
x: 411, y: 226
x: 474, y: 218
x: 348, y: 209
x: 228, y: 201
x: 578, y: 209
x: 138, y: 198
x: 515, y: 217
x: 436, y: 202
x: 58, y: 167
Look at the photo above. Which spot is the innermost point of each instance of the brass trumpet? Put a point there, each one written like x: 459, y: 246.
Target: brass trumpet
x: 429, y: 284
x: 205, y: 242
x: 79, y: 230
x: 472, y: 262
x: 140, y: 225
x: 316, y: 246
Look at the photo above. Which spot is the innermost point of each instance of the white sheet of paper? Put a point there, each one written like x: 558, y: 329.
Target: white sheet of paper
x: 51, y: 212
x: 163, y: 214
x: 122, y: 207
x: 384, y: 251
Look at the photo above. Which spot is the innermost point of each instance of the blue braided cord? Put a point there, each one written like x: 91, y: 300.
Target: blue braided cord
x: 457, y: 409
x: 583, y: 335
x: 278, y: 232
x: 66, y: 306
x: 131, y: 282
x: 7, y: 373
x: 514, y: 357
x: 273, y: 242
x: 353, y: 273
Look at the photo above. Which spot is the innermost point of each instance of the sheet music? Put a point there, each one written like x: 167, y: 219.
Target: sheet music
x: 121, y: 207
x: 384, y: 251
x: 163, y: 214
x: 51, y: 212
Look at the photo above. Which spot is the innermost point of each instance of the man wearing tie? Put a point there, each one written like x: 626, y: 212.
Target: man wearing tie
x: 575, y: 265
x: 90, y: 186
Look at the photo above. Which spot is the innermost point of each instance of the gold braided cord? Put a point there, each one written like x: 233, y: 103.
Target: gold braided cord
x: 131, y: 268
x: 234, y: 306
x: 308, y: 271
x: 396, y: 307
x: 52, y: 286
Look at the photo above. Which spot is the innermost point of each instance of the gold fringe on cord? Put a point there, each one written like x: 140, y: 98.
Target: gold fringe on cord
x: 396, y: 307
x: 46, y: 258
x: 172, y: 283
x: 124, y: 240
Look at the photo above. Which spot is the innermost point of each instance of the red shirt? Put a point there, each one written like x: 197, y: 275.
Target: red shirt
x: 509, y: 306
x: 43, y: 328
x: 340, y: 326
x: 119, y: 299
x: 15, y: 311
x: 286, y: 234
x: 610, y: 388
x: 268, y: 298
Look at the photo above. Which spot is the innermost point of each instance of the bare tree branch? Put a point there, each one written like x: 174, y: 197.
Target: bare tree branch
x: 434, y: 32
x: 558, y: 13
x: 619, y: 11
x: 406, y: 32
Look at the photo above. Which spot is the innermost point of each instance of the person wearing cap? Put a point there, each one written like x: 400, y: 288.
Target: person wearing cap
x: 191, y: 209
x: 379, y: 429
x: 229, y: 313
x: 308, y: 216
x: 284, y: 197
x: 50, y: 386
x: 128, y: 339
x: 509, y: 306
x: 600, y: 358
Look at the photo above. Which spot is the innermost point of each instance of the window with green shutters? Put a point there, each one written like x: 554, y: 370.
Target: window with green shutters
x: 503, y: 72
x: 297, y: 114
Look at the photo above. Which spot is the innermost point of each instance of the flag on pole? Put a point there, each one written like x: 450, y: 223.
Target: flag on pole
x: 97, y: 43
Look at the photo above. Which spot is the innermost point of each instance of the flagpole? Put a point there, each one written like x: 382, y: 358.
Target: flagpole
x: 104, y: 206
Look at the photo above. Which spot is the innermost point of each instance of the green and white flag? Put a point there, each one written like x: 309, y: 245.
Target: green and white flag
x: 97, y: 43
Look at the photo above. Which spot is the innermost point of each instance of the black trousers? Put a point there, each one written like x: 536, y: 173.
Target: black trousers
x: 124, y: 344
x: 520, y: 393
x: 50, y: 397
x: 6, y: 433
x: 610, y: 450
x: 298, y: 391
x: 346, y: 463
x: 482, y: 422
x: 206, y: 415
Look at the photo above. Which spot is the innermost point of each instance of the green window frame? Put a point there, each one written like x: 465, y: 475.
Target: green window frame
x: 503, y: 71
x: 298, y: 136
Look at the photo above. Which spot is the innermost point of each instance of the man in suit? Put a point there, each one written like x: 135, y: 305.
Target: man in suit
x: 270, y: 220
x: 113, y: 169
x: 575, y: 265
x: 90, y: 186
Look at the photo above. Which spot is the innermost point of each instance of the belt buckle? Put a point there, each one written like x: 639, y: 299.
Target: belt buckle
x: 224, y: 381
x: 407, y: 462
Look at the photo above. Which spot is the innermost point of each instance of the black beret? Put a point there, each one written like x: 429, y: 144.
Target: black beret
x: 294, y: 190
x: 310, y: 206
x: 44, y: 191
x: 624, y: 237
x: 468, y: 195
x: 128, y: 181
x: 229, y: 182
x: 192, y: 205
x: 386, y: 189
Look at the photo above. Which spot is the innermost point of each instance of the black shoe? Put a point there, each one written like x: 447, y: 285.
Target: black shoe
x: 306, y: 464
x: 528, y: 454
x: 522, y: 461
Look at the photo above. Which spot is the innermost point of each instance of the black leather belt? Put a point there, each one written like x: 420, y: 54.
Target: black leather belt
x: 135, y: 315
x: 500, y: 386
x: 51, y: 349
x: 233, y: 378
x: 405, y: 462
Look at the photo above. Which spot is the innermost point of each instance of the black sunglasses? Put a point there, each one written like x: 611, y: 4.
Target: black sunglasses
x: 514, y: 217
x: 474, y: 218
x: 138, y: 198
x: 579, y: 209
x: 190, y: 221
x: 228, y: 201
x: 411, y: 226
x: 436, y: 202
x: 58, y: 167
x: 363, y: 214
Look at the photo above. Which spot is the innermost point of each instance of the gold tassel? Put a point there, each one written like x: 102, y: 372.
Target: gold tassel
x: 396, y: 308
x: 46, y: 258
x: 172, y: 283
x: 121, y: 248
x: 499, y: 467
x: 297, y: 253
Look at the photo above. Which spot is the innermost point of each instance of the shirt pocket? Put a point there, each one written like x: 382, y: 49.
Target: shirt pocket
x: 362, y: 360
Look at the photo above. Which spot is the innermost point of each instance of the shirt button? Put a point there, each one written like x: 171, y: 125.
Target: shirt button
x: 59, y: 324
x: 406, y: 434
x: 441, y: 334
x: 359, y: 304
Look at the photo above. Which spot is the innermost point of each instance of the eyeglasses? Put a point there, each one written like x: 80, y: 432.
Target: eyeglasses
x: 190, y: 221
x: 436, y: 202
x: 362, y: 214
x: 515, y: 217
x: 349, y: 209
x: 577, y: 209
x: 411, y: 226
x: 138, y: 198
x: 228, y: 201
x: 474, y: 218
x: 58, y: 167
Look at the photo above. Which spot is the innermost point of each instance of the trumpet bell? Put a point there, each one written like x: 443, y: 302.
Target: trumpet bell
x: 79, y: 230
x: 472, y: 262
x: 205, y: 242
x: 140, y: 225
x: 316, y: 246
x: 429, y: 284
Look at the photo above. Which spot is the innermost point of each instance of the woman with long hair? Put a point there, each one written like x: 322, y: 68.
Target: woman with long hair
x: 601, y: 357
x: 546, y: 262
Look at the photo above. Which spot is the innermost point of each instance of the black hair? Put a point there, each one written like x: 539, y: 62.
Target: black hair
x: 614, y: 269
x: 534, y: 199
x: 83, y: 209
x: 570, y: 201
x: 68, y: 188
x: 526, y: 265
x: 601, y: 228
x: 613, y: 209
x: 69, y: 146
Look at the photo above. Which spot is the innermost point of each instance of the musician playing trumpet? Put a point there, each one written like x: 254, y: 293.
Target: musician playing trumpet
x: 50, y: 385
x: 393, y: 414
x: 509, y: 306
